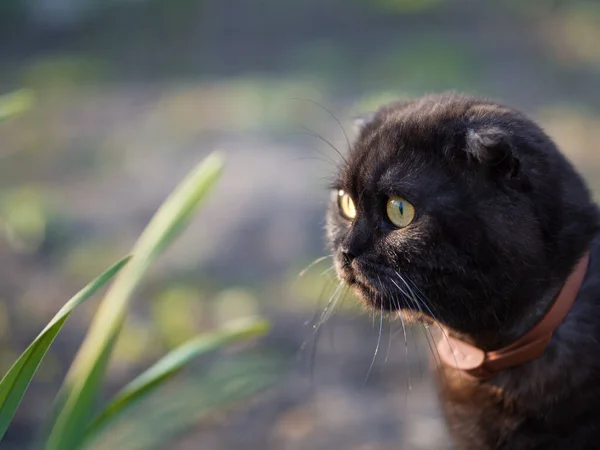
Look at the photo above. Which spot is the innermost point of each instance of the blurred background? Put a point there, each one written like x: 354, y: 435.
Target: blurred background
x: 129, y: 95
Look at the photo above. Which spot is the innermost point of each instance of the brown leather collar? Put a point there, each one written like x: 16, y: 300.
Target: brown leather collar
x: 485, y: 365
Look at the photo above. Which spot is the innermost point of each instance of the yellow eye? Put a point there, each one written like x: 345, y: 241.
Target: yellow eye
x: 346, y: 205
x: 400, y: 212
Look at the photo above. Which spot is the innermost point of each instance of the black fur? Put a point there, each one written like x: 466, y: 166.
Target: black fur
x: 501, y: 219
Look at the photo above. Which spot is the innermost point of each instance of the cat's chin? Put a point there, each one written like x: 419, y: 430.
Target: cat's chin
x: 372, y: 299
x: 374, y: 294
x: 366, y: 291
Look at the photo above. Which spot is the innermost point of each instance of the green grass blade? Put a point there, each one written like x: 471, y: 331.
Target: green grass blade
x: 17, y: 379
x: 170, y: 364
x: 15, y: 103
x: 78, y: 394
x: 185, y: 402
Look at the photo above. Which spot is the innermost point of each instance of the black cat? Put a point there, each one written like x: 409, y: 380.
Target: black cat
x: 461, y: 211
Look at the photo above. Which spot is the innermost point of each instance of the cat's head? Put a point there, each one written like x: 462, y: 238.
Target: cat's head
x: 458, y: 208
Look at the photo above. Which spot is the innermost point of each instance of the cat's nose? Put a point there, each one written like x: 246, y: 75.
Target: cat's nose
x: 355, y: 243
x: 348, y: 255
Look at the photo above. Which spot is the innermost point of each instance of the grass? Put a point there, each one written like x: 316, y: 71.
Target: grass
x: 76, y: 421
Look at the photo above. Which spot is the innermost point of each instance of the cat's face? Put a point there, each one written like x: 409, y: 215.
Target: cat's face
x: 455, y: 208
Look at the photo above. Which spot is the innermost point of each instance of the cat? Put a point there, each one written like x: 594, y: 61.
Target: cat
x: 460, y: 211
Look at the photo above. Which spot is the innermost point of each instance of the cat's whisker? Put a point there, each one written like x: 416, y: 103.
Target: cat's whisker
x: 391, y: 335
x: 434, y: 351
x: 309, y: 132
x: 337, y: 304
x: 412, y: 331
x: 412, y: 297
x: 324, y: 159
x: 423, y: 302
x: 326, y: 271
x: 324, y: 180
x: 416, y: 305
x: 315, y: 318
x: 334, y: 118
x: 417, y: 300
x: 428, y: 334
x: 389, y: 348
x: 397, y: 304
x: 376, y: 347
x: 317, y: 324
x: 324, y: 317
x: 419, y: 297
x: 329, y: 308
x: 314, y: 263
x: 419, y: 363
x: 405, y: 348
x: 313, y: 353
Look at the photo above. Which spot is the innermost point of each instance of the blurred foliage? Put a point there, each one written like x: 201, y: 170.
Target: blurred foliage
x: 71, y: 422
x: 63, y: 72
x: 136, y: 343
x: 88, y: 257
x: 76, y: 400
x: 235, y: 303
x: 540, y: 7
x: 5, y: 330
x: 11, y: 6
x: 167, y: 367
x: 15, y: 382
x: 23, y: 219
x: 573, y: 128
x: 177, y: 313
x: 407, y: 6
x: 245, y: 104
x: 577, y: 31
x: 15, y: 103
x: 430, y: 64
x: 153, y: 423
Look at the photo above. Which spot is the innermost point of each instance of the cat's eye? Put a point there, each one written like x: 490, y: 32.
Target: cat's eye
x: 346, y: 205
x: 400, y: 212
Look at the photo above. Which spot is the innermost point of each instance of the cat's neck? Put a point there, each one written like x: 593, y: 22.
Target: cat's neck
x: 503, y: 334
x: 557, y: 391
x: 484, y: 365
x: 575, y: 342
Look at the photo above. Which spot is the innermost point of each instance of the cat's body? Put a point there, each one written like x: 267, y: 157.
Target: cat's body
x: 491, y: 221
x: 552, y: 402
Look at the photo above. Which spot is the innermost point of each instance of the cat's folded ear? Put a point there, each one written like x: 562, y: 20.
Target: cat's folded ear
x: 360, y: 122
x: 492, y: 148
